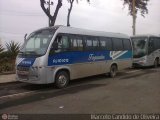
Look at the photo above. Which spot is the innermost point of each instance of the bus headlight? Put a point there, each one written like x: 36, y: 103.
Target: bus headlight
x: 142, y: 61
x: 34, y: 71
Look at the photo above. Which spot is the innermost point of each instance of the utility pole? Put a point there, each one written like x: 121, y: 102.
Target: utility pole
x: 134, y: 17
x: 49, y: 3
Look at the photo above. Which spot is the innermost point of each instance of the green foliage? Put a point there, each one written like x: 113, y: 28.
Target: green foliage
x: 1, y: 49
x: 140, y: 5
x: 6, y: 62
x: 7, y: 58
x: 13, y: 48
x: 6, y: 67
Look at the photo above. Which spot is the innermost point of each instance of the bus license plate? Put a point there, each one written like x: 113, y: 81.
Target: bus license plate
x: 23, y: 72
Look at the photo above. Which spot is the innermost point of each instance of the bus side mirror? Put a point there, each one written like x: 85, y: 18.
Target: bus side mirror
x: 25, y: 37
x: 55, y: 46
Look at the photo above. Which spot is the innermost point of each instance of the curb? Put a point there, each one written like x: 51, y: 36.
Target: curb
x: 11, y: 82
x: 7, y: 73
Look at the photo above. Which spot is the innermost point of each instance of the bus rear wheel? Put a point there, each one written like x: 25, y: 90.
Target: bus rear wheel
x: 113, y: 71
x: 156, y: 63
x: 62, y: 79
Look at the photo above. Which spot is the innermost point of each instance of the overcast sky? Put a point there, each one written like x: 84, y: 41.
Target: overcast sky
x: 18, y: 17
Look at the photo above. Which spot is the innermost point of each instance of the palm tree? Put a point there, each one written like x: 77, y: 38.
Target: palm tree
x: 12, y: 51
x: 134, y: 6
x: 13, y: 48
x: 1, y: 49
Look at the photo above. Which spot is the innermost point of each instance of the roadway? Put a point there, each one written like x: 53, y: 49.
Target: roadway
x: 132, y: 91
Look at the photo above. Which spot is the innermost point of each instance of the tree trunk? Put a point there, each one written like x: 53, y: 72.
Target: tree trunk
x: 134, y: 25
x: 69, y: 12
x: 134, y: 17
x: 53, y: 19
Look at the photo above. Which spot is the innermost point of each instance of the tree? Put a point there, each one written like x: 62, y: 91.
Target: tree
x: 1, y: 49
x: 13, y: 48
x: 52, y: 18
x: 70, y: 9
x: 134, y: 6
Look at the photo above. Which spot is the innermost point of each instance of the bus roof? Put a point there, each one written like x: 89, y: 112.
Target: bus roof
x: 72, y: 30
x: 145, y: 35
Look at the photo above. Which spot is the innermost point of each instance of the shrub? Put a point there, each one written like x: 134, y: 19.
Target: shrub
x: 7, y: 58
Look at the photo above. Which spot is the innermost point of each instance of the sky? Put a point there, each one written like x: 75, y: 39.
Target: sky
x: 18, y: 17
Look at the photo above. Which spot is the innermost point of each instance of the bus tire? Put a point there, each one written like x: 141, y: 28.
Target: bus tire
x: 61, y: 79
x: 113, y: 71
x: 156, y: 63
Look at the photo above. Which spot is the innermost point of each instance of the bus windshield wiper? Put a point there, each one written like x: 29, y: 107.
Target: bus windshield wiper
x: 21, y: 52
x: 33, y: 52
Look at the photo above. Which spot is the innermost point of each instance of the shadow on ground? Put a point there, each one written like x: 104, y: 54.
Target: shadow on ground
x: 48, y: 94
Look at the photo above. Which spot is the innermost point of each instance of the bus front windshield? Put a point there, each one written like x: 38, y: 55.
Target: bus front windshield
x: 37, y: 43
x: 140, y: 46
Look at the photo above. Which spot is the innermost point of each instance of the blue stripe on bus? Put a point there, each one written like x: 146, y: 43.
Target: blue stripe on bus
x: 80, y: 57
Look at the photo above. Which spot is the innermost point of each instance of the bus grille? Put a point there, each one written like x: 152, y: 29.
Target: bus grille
x: 20, y: 68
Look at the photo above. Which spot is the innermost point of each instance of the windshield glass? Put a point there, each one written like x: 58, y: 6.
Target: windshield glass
x: 140, y: 47
x: 38, y: 42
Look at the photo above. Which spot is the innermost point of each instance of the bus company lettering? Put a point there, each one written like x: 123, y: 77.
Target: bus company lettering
x: 93, y: 57
x: 60, y: 60
x: 26, y: 62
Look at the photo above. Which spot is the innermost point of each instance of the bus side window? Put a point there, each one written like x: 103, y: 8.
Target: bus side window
x: 157, y: 43
x: 95, y: 43
x: 106, y: 43
x: 91, y: 43
x: 80, y: 43
x: 117, y: 44
x: 127, y: 44
x: 88, y: 43
x: 62, y: 43
x: 151, y: 45
x: 109, y: 43
x: 76, y: 43
x: 102, y: 44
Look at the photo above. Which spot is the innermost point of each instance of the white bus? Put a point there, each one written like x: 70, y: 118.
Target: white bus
x: 146, y: 50
x: 59, y: 54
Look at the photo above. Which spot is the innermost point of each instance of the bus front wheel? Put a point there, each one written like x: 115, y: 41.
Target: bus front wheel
x: 62, y: 79
x: 113, y: 71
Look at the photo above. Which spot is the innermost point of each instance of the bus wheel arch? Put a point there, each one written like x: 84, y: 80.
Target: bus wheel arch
x: 113, y: 70
x: 62, y: 78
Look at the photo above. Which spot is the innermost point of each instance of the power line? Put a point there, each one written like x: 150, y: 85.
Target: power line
x: 10, y: 14
x: 18, y: 13
x: 11, y: 33
x: 23, y: 12
x: 21, y: 15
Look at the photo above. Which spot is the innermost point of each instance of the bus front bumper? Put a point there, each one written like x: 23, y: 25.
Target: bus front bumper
x: 139, y: 63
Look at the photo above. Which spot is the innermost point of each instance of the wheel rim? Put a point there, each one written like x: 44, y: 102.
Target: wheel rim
x: 62, y: 80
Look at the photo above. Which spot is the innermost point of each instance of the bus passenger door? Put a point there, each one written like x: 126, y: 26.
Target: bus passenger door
x: 152, y: 53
